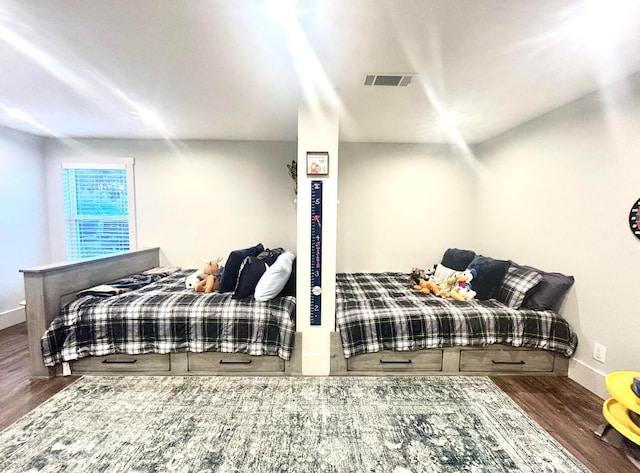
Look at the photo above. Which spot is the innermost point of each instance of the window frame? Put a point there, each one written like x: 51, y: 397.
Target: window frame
x: 113, y: 164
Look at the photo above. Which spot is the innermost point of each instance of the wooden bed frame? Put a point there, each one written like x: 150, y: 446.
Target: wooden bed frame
x: 49, y: 287
x: 455, y: 361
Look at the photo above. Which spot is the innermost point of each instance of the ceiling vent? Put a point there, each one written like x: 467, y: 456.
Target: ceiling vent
x: 388, y: 80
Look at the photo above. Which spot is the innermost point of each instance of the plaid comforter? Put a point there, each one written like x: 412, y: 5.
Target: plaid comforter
x: 380, y: 311
x: 165, y: 317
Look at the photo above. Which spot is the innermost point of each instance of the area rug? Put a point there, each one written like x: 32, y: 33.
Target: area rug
x: 301, y: 424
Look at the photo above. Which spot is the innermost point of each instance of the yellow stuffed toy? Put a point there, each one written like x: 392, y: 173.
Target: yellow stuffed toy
x: 427, y: 287
x: 461, y: 290
x: 447, y: 286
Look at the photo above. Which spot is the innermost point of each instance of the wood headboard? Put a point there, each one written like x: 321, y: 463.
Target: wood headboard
x: 47, y: 288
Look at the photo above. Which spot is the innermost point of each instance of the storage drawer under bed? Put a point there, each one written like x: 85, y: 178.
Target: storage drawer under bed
x: 214, y: 362
x: 122, y: 362
x: 423, y: 360
x: 506, y: 360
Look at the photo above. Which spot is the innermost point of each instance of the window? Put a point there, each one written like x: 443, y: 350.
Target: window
x: 99, y: 214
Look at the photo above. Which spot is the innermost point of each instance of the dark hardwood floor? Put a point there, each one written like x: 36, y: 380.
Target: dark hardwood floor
x: 19, y: 394
x: 570, y: 413
x: 566, y: 410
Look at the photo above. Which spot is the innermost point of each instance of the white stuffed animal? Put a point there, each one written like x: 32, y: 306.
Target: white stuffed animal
x: 193, y: 279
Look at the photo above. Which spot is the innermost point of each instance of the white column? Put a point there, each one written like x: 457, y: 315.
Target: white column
x: 317, y: 131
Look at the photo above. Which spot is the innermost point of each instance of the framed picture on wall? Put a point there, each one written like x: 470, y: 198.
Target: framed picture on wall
x: 317, y: 163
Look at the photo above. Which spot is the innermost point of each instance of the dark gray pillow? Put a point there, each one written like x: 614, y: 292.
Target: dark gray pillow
x: 252, y: 269
x: 232, y: 266
x: 457, y: 259
x: 489, y: 275
x: 548, y: 293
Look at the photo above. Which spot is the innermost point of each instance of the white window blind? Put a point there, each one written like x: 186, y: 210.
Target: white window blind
x: 97, y: 209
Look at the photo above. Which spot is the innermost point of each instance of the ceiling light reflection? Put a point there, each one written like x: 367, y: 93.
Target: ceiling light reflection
x: 18, y: 115
x: 44, y: 60
x: 91, y: 86
x: 599, y: 24
x: 149, y: 117
x: 313, y: 80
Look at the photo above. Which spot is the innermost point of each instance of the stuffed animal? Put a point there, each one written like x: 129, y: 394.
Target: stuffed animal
x: 419, y: 274
x: 207, y: 279
x: 458, y: 286
x: 416, y: 275
x: 210, y: 278
x: 447, y: 286
x: 429, y: 273
x: 427, y: 287
x: 462, y: 287
x: 191, y: 280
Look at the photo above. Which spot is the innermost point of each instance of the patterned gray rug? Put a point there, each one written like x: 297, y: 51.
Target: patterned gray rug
x: 305, y: 424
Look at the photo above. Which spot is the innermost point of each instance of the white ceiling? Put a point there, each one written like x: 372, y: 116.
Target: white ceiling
x: 234, y: 69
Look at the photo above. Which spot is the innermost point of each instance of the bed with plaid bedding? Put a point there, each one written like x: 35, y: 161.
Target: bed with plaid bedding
x: 166, y: 317
x: 380, y: 311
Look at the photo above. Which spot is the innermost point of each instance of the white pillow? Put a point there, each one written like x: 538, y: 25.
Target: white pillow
x: 443, y: 273
x: 275, y: 277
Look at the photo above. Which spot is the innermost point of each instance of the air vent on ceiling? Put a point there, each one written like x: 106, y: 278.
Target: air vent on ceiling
x: 388, y: 80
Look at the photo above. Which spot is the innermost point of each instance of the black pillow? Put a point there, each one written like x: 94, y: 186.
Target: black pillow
x: 548, y: 293
x: 252, y: 269
x: 489, y: 275
x: 290, y: 288
x: 457, y: 259
x: 232, y: 266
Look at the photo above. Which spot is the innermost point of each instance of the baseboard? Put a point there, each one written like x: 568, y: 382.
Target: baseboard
x: 12, y: 317
x: 588, y: 377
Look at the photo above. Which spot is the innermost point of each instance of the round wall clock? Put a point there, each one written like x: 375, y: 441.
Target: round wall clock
x: 634, y: 219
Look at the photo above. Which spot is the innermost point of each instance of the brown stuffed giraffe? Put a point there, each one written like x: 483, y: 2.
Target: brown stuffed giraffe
x: 209, y: 278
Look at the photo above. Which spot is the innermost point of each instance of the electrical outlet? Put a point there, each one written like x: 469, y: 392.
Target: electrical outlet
x: 599, y: 352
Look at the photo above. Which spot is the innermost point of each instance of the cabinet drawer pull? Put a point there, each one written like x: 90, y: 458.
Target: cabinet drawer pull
x: 244, y: 362
x: 521, y: 362
x: 119, y: 362
x: 400, y: 362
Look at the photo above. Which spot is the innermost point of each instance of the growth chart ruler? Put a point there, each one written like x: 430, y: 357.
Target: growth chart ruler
x: 316, y: 252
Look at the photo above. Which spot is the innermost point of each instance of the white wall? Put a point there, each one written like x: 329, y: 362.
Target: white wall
x: 196, y: 199
x: 402, y: 205
x: 23, y: 217
x: 556, y: 195
x: 318, y: 130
